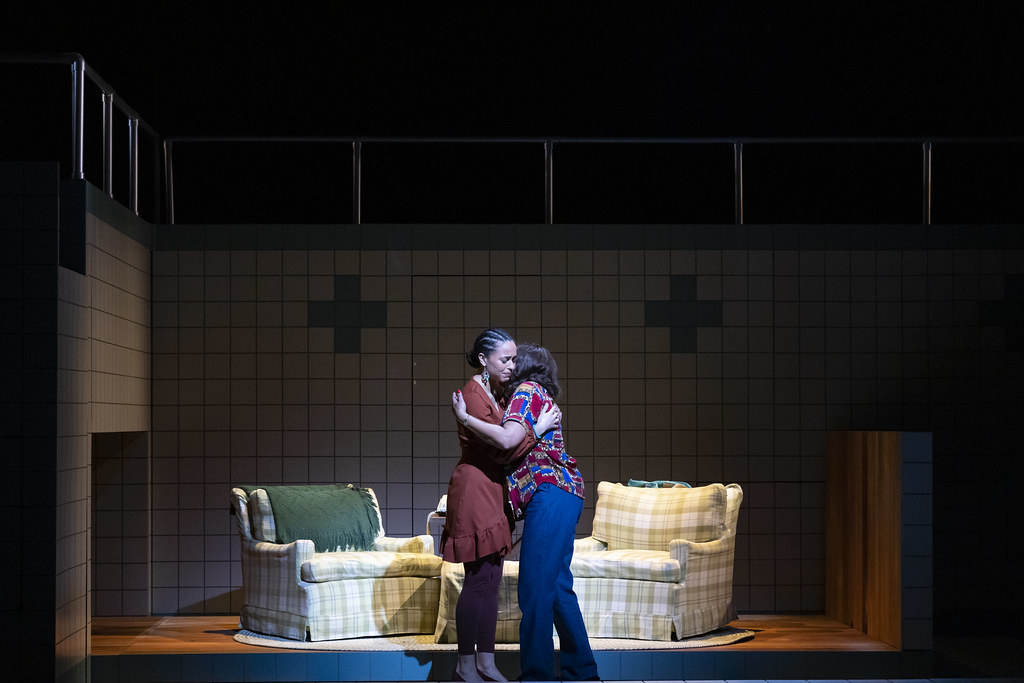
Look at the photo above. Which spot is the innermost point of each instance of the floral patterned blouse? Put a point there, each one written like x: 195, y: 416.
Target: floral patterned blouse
x: 547, y: 462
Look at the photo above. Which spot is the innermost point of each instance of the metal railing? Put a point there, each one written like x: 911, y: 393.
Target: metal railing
x: 357, y: 143
x: 111, y: 102
x: 549, y: 145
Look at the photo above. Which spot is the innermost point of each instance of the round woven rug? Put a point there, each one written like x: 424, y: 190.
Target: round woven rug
x: 724, y: 636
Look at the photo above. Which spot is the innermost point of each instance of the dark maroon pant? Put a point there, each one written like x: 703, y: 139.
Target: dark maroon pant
x: 476, y: 615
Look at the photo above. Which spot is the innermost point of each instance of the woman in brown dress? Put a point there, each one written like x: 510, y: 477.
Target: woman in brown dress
x: 479, y: 521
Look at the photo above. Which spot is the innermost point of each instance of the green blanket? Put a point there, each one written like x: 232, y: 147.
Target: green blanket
x: 330, y: 515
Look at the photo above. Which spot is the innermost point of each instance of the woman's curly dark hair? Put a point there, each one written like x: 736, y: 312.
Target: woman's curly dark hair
x: 534, y: 363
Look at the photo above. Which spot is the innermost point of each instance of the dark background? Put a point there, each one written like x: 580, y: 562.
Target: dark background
x: 562, y: 69
x: 699, y: 69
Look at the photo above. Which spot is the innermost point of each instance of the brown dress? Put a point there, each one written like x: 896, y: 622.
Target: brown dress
x: 479, y: 520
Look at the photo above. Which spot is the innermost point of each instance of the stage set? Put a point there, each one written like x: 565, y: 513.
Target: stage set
x: 158, y: 360
x: 864, y: 635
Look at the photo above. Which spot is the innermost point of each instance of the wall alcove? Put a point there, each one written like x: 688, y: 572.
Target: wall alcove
x: 121, y: 524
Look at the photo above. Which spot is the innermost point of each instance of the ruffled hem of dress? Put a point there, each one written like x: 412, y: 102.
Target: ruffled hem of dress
x: 496, y: 539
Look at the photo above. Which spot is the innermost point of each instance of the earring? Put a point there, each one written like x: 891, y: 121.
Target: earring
x: 487, y: 376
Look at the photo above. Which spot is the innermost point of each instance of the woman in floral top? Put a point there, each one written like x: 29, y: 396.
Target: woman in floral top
x: 546, y: 489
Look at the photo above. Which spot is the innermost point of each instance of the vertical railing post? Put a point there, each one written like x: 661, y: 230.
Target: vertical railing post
x: 78, y: 118
x: 133, y: 165
x: 357, y: 182
x: 737, y: 162
x: 108, y: 144
x: 549, y: 183
x: 169, y: 179
x: 157, y: 195
x: 926, y: 199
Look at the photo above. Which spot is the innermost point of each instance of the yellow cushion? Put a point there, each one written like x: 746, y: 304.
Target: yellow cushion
x: 642, y: 565
x: 368, y: 564
x: 629, y: 517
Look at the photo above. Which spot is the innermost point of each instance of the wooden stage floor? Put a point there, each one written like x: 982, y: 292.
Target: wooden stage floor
x: 793, y: 647
x: 179, y: 635
x: 785, y: 646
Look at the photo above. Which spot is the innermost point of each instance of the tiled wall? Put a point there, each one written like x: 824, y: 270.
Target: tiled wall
x: 917, y: 536
x: 120, y: 524
x: 721, y: 353
x: 118, y: 269
x: 75, y: 363
x: 73, y: 473
x: 103, y: 390
x: 28, y: 385
x: 118, y: 363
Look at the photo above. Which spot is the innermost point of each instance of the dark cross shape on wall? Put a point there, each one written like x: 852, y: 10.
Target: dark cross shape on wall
x: 348, y: 314
x: 683, y: 313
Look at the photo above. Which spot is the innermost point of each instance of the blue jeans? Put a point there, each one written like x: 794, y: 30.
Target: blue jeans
x: 545, y: 590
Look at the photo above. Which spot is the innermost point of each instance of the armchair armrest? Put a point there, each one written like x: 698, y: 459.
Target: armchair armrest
x: 271, y: 572
x: 424, y: 543
x: 699, y: 560
x: 282, y: 559
x: 587, y: 545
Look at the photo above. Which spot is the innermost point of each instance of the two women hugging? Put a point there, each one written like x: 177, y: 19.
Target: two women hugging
x: 515, y: 465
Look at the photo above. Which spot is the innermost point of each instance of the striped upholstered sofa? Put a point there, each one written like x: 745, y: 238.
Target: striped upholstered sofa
x: 658, y: 566
x: 316, y: 565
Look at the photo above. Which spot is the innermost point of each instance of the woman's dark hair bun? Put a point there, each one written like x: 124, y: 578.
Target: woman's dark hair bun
x: 486, y: 343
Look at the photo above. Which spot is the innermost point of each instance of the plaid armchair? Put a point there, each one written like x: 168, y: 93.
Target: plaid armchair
x: 659, y: 562
x: 292, y: 591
